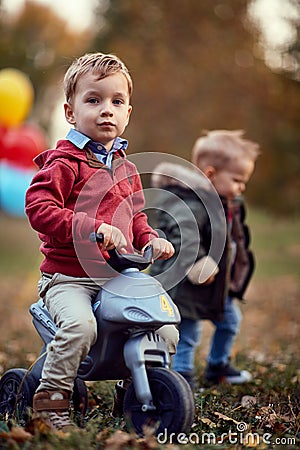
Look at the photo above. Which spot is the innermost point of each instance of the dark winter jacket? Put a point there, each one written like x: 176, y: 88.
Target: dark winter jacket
x: 196, y: 220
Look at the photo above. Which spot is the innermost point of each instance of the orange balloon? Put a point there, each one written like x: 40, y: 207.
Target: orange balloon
x: 16, y: 97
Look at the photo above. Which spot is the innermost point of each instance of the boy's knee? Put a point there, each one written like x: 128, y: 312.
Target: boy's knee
x: 85, y: 331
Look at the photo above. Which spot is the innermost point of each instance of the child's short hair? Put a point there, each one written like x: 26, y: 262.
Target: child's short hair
x: 99, y: 63
x: 219, y: 147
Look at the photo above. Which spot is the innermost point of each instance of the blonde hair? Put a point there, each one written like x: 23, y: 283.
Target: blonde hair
x: 98, y: 63
x: 218, y: 148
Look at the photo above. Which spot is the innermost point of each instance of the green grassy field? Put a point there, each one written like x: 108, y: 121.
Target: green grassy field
x: 276, y: 243
x: 268, y: 346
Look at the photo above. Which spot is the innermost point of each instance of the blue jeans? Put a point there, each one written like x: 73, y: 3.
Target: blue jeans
x: 221, y: 344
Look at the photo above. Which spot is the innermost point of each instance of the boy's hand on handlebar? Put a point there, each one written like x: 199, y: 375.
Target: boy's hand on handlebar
x: 162, y: 249
x: 112, y: 238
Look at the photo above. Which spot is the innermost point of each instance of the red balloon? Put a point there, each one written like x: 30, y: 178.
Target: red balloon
x: 2, y: 134
x: 22, y: 144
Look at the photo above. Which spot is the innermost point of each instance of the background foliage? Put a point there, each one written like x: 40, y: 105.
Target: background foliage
x: 268, y: 346
x: 196, y: 66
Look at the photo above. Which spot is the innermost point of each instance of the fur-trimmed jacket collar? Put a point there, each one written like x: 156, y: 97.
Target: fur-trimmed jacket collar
x: 169, y: 174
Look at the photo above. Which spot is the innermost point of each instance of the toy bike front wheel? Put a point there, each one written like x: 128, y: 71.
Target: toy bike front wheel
x: 172, y: 398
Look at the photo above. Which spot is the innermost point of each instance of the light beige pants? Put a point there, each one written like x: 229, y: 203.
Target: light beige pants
x: 68, y: 301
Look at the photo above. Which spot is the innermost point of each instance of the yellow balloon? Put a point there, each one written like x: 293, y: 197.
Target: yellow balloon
x: 16, y: 97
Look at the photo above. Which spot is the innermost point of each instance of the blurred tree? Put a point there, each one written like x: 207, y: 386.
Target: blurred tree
x: 195, y: 67
x: 292, y: 67
x: 280, y: 47
x: 39, y: 43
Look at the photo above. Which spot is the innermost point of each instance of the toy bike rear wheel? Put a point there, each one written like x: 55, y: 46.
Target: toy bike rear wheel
x: 17, y: 388
x: 172, y: 398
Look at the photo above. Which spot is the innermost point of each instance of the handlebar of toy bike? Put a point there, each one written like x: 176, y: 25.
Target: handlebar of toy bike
x: 122, y: 261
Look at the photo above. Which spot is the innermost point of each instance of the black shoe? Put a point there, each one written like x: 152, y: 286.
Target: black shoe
x: 225, y: 373
x: 189, y: 377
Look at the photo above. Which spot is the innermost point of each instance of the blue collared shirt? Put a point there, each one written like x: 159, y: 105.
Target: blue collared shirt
x: 80, y: 140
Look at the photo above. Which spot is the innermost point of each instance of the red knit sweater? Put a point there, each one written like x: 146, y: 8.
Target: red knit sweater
x: 71, y: 195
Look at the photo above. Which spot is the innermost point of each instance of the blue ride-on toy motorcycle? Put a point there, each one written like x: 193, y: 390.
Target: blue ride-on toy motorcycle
x: 129, y: 309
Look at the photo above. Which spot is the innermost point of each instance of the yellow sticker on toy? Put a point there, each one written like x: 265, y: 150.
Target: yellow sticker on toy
x: 165, y: 305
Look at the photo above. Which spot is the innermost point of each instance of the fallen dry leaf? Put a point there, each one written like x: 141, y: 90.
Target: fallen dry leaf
x: 38, y: 425
x: 267, y: 417
x: 17, y: 434
x: 208, y: 422
x: 253, y: 440
x: 148, y: 443
x: 222, y: 416
x: 248, y: 401
x: 119, y: 440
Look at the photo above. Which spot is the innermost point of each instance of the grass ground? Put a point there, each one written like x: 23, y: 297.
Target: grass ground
x: 268, y: 346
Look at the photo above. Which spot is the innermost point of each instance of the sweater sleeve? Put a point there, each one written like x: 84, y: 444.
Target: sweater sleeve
x: 47, y: 205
